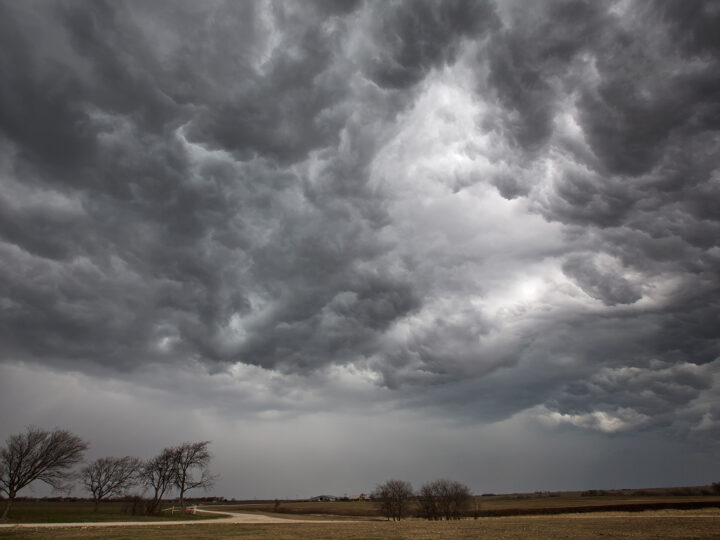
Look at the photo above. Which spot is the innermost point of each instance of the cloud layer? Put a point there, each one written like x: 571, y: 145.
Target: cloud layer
x: 468, y: 208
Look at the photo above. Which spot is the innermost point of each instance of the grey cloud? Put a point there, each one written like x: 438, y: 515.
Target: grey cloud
x: 414, y: 38
x: 172, y: 238
x: 606, y: 285
x: 294, y: 108
x: 531, y: 61
x: 657, y: 394
x: 62, y: 77
x: 631, y: 178
x: 692, y: 24
x: 579, y: 197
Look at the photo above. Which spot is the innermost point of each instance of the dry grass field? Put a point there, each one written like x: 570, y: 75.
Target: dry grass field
x: 350, y: 509
x: 495, y: 505
x: 508, y: 505
x: 697, y: 524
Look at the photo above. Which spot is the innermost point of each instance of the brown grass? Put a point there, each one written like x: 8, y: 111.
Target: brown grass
x: 499, y: 503
x: 341, y: 508
x: 637, y: 526
x: 496, y: 505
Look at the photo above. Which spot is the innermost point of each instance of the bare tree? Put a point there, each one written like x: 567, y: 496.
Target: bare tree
x: 158, y: 474
x: 429, y: 503
x: 41, y: 455
x: 459, y: 499
x: 393, y: 497
x: 191, y: 467
x: 444, y: 499
x: 110, y: 476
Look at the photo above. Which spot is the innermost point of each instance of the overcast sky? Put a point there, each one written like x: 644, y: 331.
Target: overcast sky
x: 348, y: 241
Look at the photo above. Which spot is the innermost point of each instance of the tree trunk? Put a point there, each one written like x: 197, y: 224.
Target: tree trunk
x: 7, y: 507
x: 155, y: 501
x: 152, y: 506
x: 182, y: 499
x: 97, y: 503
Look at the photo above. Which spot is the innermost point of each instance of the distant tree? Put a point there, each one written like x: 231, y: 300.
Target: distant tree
x: 429, y: 503
x: 191, y: 467
x: 47, y: 456
x: 110, y: 476
x: 444, y: 499
x: 393, y: 497
x: 159, y: 475
x: 459, y: 500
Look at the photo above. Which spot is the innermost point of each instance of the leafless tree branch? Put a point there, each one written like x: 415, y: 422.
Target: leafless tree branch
x: 110, y: 476
x: 393, y: 497
x: 444, y: 499
x: 158, y: 474
x: 41, y: 455
x: 192, y: 460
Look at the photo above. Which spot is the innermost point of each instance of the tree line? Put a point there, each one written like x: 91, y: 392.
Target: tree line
x: 50, y: 457
x: 441, y: 499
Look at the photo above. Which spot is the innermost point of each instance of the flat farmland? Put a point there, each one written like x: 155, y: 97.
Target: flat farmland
x: 496, y: 505
x: 698, y: 524
x: 575, y: 502
x: 350, y: 509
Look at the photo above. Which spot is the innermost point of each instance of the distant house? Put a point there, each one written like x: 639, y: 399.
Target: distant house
x: 323, y: 498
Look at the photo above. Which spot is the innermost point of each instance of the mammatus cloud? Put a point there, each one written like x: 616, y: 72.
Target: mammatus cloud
x: 626, y: 398
x: 472, y: 208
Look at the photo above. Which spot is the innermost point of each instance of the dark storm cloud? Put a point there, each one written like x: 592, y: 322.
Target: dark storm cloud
x: 292, y: 107
x: 655, y: 391
x: 606, y: 286
x: 252, y: 183
x: 169, y: 241
x: 528, y: 60
x: 412, y: 38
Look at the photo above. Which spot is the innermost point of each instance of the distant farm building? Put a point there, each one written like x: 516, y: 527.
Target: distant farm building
x: 323, y: 498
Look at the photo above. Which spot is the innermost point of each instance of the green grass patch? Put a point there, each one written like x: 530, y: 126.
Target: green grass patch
x: 81, y: 511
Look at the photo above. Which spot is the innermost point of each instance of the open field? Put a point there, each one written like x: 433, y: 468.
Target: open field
x: 574, y: 502
x: 66, y: 512
x: 349, y: 509
x: 699, y: 524
x: 497, y: 505
x: 369, y: 513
